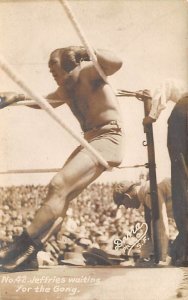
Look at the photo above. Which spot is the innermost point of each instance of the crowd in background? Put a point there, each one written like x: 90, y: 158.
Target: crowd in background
x: 92, y: 219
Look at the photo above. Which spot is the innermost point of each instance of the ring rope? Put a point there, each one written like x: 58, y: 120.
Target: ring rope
x: 119, y: 93
x: 54, y: 170
x: 83, y: 39
x: 28, y: 171
x: 33, y: 102
x: 43, y: 103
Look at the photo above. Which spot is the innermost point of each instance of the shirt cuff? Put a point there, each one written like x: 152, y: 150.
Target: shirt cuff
x: 153, y: 115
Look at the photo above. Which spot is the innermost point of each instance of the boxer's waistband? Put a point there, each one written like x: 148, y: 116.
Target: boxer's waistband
x: 113, y: 122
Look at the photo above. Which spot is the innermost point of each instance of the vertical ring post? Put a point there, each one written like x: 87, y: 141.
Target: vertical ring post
x: 152, y: 177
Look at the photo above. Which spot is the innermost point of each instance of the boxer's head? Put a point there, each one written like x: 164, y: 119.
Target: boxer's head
x: 64, y: 60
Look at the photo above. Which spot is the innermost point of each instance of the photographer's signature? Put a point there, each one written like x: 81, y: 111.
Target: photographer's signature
x: 135, y: 238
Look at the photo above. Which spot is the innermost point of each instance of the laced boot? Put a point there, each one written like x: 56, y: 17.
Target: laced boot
x: 11, y: 249
x: 21, y: 255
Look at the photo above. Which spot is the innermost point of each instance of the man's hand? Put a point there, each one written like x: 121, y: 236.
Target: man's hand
x: 148, y: 120
x: 81, y: 54
x: 7, y: 98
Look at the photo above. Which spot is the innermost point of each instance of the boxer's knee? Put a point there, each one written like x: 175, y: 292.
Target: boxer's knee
x: 57, y: 186
x: 57, y: 198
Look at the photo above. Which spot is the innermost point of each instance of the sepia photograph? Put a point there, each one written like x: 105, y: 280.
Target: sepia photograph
x: 94, y: 149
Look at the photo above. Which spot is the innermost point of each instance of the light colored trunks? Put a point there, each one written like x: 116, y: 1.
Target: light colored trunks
x: 108, y: 141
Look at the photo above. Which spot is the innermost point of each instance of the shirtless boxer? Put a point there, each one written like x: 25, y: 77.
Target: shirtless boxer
x: 94, y: 104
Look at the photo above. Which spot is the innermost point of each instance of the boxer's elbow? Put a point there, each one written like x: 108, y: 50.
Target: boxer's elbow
x: 113, y: 67
x: 109, y: 62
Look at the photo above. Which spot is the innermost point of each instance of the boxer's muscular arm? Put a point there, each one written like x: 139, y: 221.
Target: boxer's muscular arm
x: 108, y: 62
x: 9, y: 98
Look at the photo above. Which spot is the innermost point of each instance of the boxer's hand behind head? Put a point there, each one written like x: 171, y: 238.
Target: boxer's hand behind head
x: 81, y: 55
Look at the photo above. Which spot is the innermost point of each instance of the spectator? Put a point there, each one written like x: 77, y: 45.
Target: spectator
x: 132, y: 195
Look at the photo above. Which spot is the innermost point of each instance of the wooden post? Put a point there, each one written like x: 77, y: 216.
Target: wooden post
x: 152, y: 176
x: 145, y: 97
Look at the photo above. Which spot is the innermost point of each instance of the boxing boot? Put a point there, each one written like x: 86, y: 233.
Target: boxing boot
x: 21, y: 255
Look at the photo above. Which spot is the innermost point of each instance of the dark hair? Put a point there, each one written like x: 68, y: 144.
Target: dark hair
x: 71, y: 56
x: 122, y: 188
x: 119, y: 191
